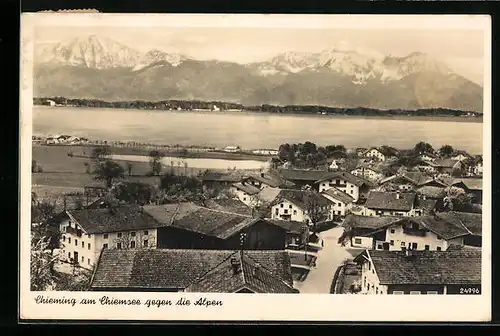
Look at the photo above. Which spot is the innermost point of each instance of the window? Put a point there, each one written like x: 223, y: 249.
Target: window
x: 105, y: 236
x: 64, y: 238
x: 398, y: 292
x: 69, y: 223
x: 379, y: 247
x: 352, y: 192
x: 427, y: 247
x: 132, y: 244
x: 69, y: 239
x: 439, y: 238
x: 364, y: 282
x: 76, y: 242
x: 414, y: 246
x: 339, y: 212
x: 294, y: 212
x: 244, y: 198
x: 369, y: 266
x: 119, y: 246
x: 88, y: 235
x: 83, y: 244
x: 277, y: 211
x: 145, y: 243
x: 357, y: 240
x: 132, y: 234
x: 290, y: 206
x: 146, y: 233
x: 69, y: 255
x: 403, y: 244
x: 119, y: 235
x: 432, y: 292
x: 392, y: 230
x: 339, y: 204
x: 376, y: 290
x: 286, y: 211
x: 392, y: 242
x: 83, y: 259
x: 105, y: 246
x: 438, y: 248
x: 281, y: 205
x: 88, y: 261
x: 415, y: 292
x: 88, y: 246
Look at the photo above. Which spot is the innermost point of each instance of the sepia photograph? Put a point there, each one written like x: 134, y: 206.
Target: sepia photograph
x: 203, y: 155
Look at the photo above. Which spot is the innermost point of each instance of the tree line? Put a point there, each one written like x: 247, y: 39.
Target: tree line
x: 209, y: 105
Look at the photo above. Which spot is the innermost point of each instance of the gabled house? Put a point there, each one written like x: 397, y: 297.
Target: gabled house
x: 354, y: 186
x: 471, y: 185
x: 460, y: 156
x: 186, y: 226
x: 200, y: 271
x: 340, y: 201
x: 450, y: 167
x: 362, y: 231
x: 214, y: 179
x: 303, y: 178
x: 301, y: 206
x: 432, y: 192
x: 381, y: 203
x: 297, y: 232
x: 380, y: 154
x: 420, y: 272
x: 264, y: 180
x: 228, y: 205
x: 368, y: 173
x: 246, y: 193
x: 428, y: 157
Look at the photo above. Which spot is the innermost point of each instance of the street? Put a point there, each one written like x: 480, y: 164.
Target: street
x: 330, y: 257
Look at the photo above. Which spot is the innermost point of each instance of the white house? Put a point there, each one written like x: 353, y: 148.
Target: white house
x: 350, y: 184
x: 232, y: 149
x: 84, y: 233
x: 368, y: 173
x: 300, y: 206
x: 246, y: 193
x: 265, y: 151
x: 380, y: 203
x: 340, y: 201
x: 380, y: 154
x: 420, y: 272
x: 50, y: 102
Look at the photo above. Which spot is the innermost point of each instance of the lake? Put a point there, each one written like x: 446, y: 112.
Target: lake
x: 251, y: 130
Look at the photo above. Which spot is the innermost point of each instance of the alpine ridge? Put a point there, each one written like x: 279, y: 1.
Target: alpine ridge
x: 342, y: 75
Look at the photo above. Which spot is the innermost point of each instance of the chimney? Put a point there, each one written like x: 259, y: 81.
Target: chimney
x: 235, y: 264
x: 256, y: 268
x: 261, y: 174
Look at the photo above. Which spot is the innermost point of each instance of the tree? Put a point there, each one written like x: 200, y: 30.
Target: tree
x: 133, y: 192
x: 108, y: 171
x: 129, y: 168
x: 423, y: 148
x: 101, y: 153
x: 458, y: 200
x: 446, y: 150
x: 42, y: 275
x: 155, y: 158
x: 315, y: 209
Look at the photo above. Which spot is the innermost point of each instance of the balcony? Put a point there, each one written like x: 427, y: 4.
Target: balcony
x: 74, y: 231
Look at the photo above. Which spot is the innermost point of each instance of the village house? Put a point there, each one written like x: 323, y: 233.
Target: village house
x: 228, y: 205
x: 435, y: 232
x: 368, y: 173
x: 432, y: 192
x: 356, y: 187
x: 341, y: 202
x: 408, y: 181
x: 380, y: 154
x: 477, y: 168
x: 300, y: 206
x: 460, y: 156
x: 188, y: 226
x: 199, y: 271
x: 232, y: 149
x: 246, y: 193
x: 265, y: 151
x: 420, y: 272
x: 264, y: 180
x: 297, y: 232
x: 215, y: 179
x: 397, y: 203
x: 428, y: 157
x: 473, y: 186
x: 446, y: 167
x: 304, y: 178
x: 85, y: 232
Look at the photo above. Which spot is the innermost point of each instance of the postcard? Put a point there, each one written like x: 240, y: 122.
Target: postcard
x: 324, y: 167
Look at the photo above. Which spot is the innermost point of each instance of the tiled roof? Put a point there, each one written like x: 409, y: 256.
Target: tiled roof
x: 120, y: 218
x: 368, y: 222
x: 471, y: 183
x: 427, y: 205
x: 432, y: 192
x: 302, y: 198
x: 271, y: 180
x: 338, y: 195
x: 443, y: 228
x: 215, y: 176
x: 229, y: 205
x: 353, y: 179
x: 471, y: 221
x: 166, y: 213
x: 389, y: 200
x: 174, y: 269
x: 247, y: 188
x: 305, y: 175
x: 268, y: 194
x: 446, y: 163
x: 428, y: 267
x: 250, y: 274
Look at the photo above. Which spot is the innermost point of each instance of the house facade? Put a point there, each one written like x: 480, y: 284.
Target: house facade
x: 354, y: 186
x: 301, y: 206
x: 368, y: 173
x: 401, y: 204
x: 420, y: 272
x: 375, y: 153
x: 246, y: 193
x: 341, y: 202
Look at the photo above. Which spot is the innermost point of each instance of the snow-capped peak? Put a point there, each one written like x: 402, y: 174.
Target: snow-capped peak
x: 156, y: 55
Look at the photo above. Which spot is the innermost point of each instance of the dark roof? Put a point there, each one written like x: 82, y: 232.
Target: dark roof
x: 247, y: 188
x: 289, y: 226
x: 167, y: 213
x: 446, y: 163
x: 432, y: 192
x: 213, y: 223
x: 389, y: 200
x: 305, y: 175
x: 416, y: 178
x: 251, y: 275
x: 427, y: 267
x: 271, y: 180
x: 229, y: 205
x: 470, y: 183
x: 301, y: 198
x: 215, y: 176
x: 384, y: 150
x: 119, y: 218
x: 173, y: 269
x: 338, y: 195
x: 441, y: 227
x: 471, y: 221
x: 427, y: 205
x: 353, y: 179
x: 368, y: 222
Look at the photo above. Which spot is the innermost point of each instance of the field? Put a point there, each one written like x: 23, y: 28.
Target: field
x: 61, y: 170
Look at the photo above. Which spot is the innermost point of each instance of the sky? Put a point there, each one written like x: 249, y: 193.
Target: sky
x: 462, y: 50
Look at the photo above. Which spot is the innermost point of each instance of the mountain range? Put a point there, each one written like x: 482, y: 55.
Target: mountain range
x: 342, y: 75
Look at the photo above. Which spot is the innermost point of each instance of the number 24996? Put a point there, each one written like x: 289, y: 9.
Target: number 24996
x: 469, y: 290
